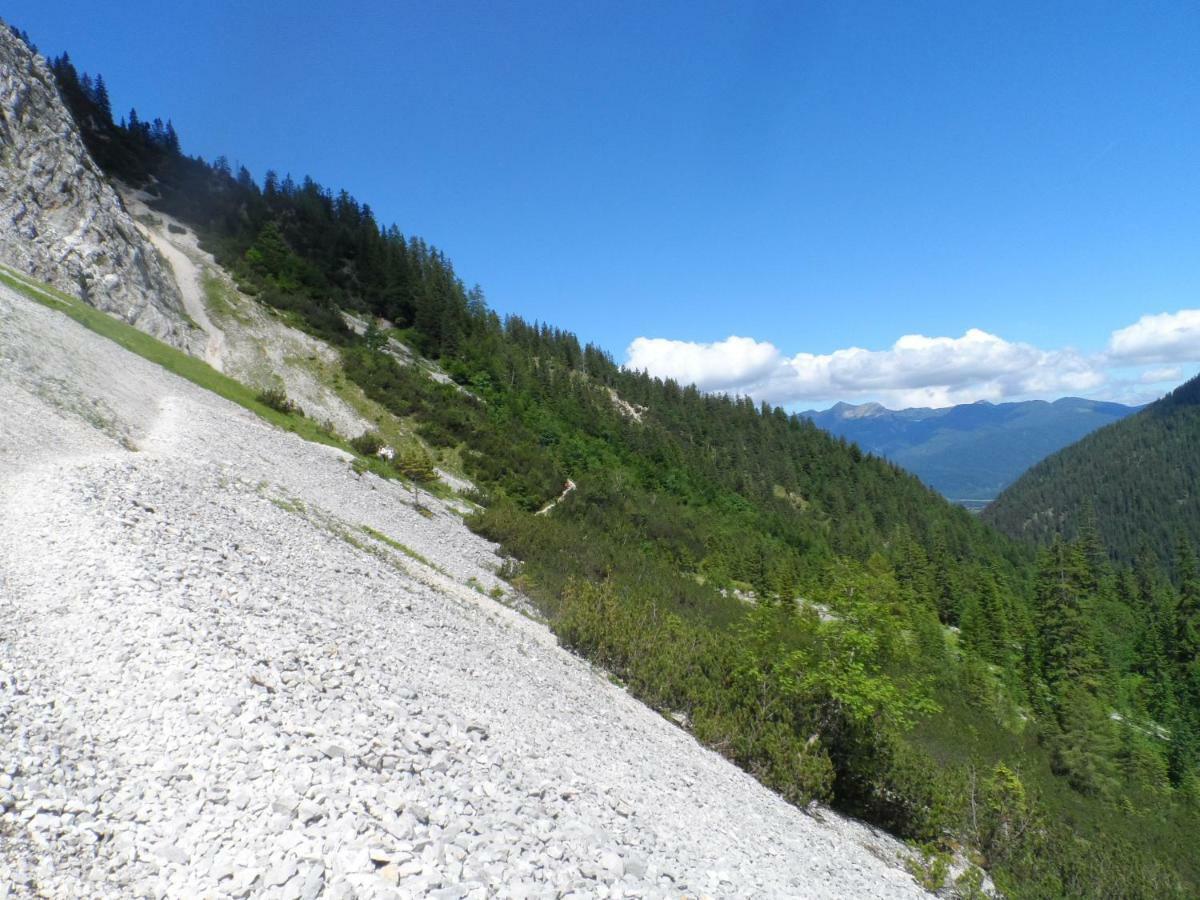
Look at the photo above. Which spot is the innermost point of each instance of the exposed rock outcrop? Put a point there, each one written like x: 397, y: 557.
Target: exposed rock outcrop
x: 60, y: 220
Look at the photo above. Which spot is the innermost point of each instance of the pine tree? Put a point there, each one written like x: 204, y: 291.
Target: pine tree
x: 172, y: 139
x: 994, y: 605
x: 103, y: 104
x: 1069, y: 654
x: 1155, y: 605
x: 1082, y: 741
x: 973, y: 630
x: 1078, y: 733
x: 1186, y: 639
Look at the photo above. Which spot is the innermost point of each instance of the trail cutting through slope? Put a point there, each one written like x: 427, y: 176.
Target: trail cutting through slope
x: 229, y: 666
x: 243, y: 339
x: 567, y: 488
x: 190, y: 278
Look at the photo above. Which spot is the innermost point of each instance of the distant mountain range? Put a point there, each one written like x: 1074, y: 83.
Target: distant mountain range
x: 969, y: 453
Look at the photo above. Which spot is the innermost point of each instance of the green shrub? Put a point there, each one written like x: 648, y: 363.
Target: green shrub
x: 278, y: 400
x: 782, y: 694
x: 930, y: 869
x: 369, y: 443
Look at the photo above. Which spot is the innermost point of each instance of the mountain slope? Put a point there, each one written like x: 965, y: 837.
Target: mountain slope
x: 1140, y: 476
x: 969, y: 453
x: 780, y: 595
x: 230, y: 664
x: 60, y: 220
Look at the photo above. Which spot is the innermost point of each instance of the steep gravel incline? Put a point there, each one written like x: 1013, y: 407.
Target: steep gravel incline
x: 214, y: 682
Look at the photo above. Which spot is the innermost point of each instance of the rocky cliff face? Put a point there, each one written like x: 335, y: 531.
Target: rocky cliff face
x: 60, y: 220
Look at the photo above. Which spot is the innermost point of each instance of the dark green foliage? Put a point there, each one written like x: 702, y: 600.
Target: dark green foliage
x: 1140, y: 478
x: 277, y: 399
x: 779, y: 694
x: 369, y: 443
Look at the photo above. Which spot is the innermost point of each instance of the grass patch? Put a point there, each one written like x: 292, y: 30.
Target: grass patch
x: 403, y: 548
x: 376, y: 466
x: 176, y: 361
x: 217, y: 296
x: 290, y: 505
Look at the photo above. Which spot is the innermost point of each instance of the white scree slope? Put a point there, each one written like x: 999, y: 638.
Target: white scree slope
x: 214, y: 683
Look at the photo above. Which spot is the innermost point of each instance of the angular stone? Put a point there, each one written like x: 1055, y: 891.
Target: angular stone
x: 171, y: 853
x: 308, y: 812
x: 280, y: 873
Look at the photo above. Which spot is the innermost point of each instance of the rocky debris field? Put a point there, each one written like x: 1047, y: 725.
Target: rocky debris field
x: 231, y: 667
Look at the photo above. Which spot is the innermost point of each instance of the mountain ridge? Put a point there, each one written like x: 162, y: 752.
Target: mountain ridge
x: 969, y: 452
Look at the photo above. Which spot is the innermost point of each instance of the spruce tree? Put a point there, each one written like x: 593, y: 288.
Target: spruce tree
x: 1069, y: 654
x: 103, y: 104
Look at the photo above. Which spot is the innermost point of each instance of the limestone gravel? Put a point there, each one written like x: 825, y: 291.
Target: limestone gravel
x: 215, y: 683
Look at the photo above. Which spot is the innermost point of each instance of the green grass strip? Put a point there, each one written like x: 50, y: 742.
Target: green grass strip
x: 176, y: 361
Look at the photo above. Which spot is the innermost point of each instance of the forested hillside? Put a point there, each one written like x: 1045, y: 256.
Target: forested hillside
x: 970, y: 453
x: 1138, y: 479
x: 812, y: 612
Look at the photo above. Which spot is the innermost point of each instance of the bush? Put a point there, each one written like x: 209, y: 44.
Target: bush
x: 278, y: 400
x: 756, y: 692
x: 369, y: 443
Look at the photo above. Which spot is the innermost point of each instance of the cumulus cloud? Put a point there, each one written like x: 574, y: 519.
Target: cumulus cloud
x: 727, y: 365
x: 1161, y: 338
x: 915, y: 371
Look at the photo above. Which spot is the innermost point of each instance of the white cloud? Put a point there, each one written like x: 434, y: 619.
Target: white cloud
x: 916, y: 371
x: 1160, y: 376
x: 1161, y: 338
x: 935, y: 371
x: 727, y: 365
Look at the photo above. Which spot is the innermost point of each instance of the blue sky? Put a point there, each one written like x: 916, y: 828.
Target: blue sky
x: 808, y: 177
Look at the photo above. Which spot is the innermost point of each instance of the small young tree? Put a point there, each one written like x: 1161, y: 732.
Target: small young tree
x: 414, y: 463
x: 373, y: 337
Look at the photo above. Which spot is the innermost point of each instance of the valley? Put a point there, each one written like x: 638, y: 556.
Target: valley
x: 970, y: 453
